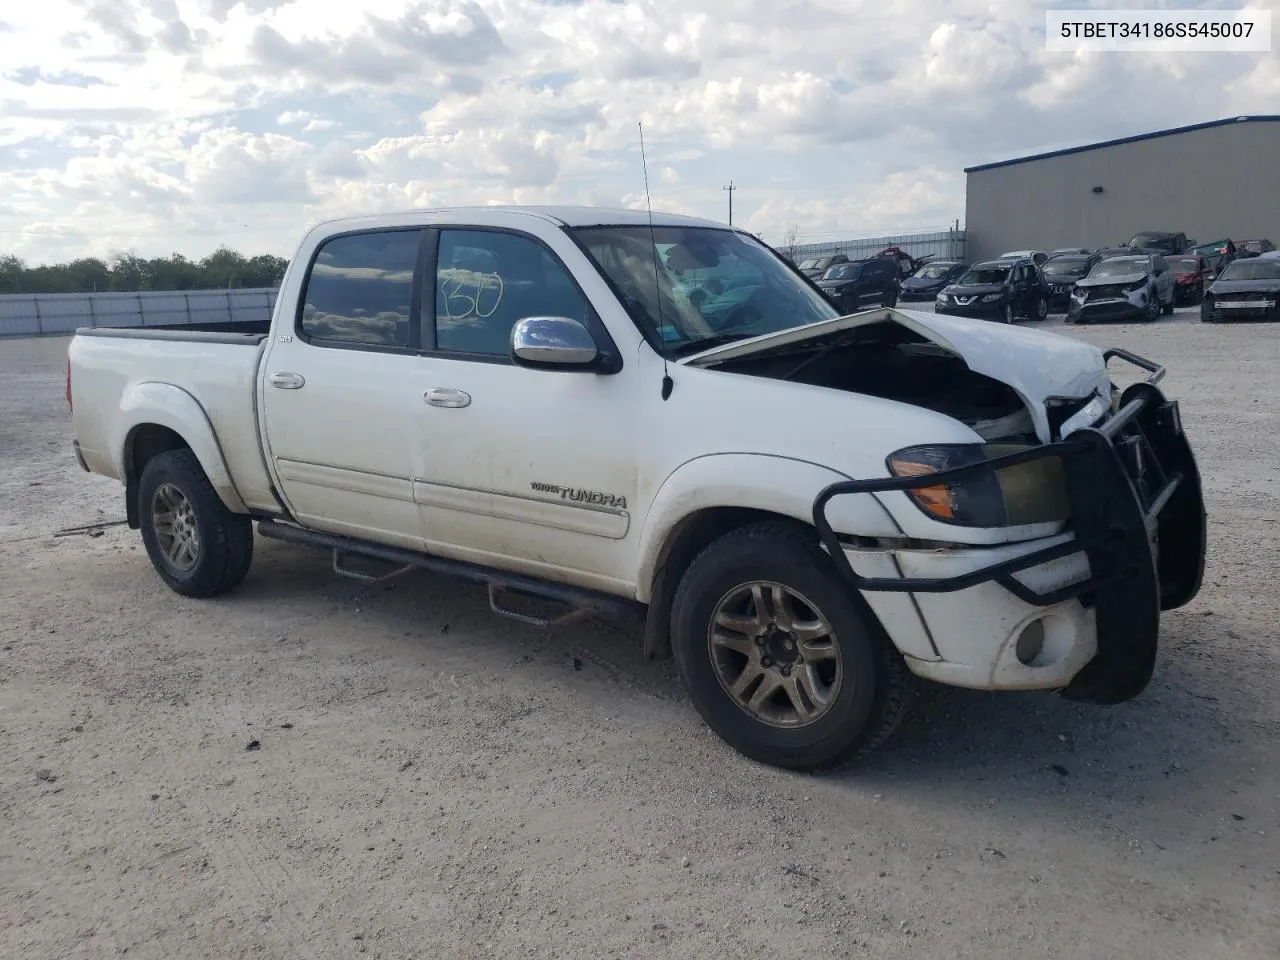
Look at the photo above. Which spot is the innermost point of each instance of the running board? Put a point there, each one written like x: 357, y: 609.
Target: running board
x: 502, y: 585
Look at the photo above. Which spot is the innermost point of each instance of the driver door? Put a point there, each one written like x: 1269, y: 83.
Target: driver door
x: 519, y: 468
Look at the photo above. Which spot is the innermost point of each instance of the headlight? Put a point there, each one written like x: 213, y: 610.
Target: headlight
x: 992, y: 297
x: 1025, y: 493
x: 1079, y: 293
x: 1136, y: 287
x: 941, y: 298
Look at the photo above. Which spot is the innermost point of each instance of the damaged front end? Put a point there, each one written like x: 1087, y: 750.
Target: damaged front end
x: 1136, y: 511
x: 1077, y: 468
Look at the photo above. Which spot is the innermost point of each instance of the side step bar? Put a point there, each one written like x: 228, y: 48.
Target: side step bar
x: 501, y: 584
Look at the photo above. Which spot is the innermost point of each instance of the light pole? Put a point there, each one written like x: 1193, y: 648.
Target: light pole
x: 730, y: 188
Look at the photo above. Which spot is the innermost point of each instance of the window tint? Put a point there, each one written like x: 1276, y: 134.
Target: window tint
x: 360, y: 289
x: 487, y: 281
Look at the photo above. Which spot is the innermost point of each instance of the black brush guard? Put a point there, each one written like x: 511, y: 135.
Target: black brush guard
x: 1136, y: 511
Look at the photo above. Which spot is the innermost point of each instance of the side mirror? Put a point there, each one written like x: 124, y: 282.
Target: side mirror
x: 553, y: 343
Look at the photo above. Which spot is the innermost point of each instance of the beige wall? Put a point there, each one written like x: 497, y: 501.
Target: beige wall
x: 1210, y: 183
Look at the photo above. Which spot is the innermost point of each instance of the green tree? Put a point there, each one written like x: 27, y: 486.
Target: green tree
x: 12, y: 272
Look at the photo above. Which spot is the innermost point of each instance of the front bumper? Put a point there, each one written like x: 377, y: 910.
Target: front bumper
x: 1107, y: 310
x: 1135, y: 546
x: 977, y: 310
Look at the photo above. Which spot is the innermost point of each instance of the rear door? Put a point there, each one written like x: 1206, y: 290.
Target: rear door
x: 340, y: 400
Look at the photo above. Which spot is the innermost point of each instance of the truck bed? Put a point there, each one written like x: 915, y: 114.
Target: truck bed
x: 120, y: 376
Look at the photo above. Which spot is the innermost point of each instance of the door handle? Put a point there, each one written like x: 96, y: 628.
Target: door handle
x: 447, y: 397
x: 286, y: 381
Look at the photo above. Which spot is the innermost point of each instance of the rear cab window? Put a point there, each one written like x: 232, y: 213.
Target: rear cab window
x: 359, y: 291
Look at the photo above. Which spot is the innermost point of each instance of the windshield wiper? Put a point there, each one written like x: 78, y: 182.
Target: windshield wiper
x: 719, y: 340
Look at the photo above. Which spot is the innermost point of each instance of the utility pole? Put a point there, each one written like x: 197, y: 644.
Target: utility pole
x: 730, y: 188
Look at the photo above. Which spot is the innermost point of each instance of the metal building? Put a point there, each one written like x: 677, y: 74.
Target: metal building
x: 1209, y: 180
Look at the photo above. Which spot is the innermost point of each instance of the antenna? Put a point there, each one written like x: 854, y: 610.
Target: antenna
x: 667, y: 382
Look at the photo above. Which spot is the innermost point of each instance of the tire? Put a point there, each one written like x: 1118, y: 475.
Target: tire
x: 1007, y: 316
x: 866, y: 680
x: 1167, y: 309
x: 1154, y: 309
x: 1206, y: 312
x: 1042, y: 309
x: 174, y: 484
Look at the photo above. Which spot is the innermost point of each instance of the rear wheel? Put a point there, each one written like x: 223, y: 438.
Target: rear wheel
x: 198, y: 546
x: 777, y: 654
x: 1042, y: 308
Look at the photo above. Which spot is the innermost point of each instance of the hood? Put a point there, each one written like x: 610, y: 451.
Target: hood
x: 973, y: 289
x: 1121, y: 281
x: 1036, y: 364
x: 829, y: 284
x: 923, y: 283
x: 1245, y: 286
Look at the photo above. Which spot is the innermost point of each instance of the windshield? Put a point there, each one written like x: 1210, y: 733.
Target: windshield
x: 712, y: 285
x: 1209, y: 249
x: 1184, y: 265
x: 1159, y: 241
x: 1251, y: 270
x: 934, y: 271
x: 1065, y: 267
x: 1120, y: 267
x: 811, y: 263
x: 985, y: 274
x: 842, y: 271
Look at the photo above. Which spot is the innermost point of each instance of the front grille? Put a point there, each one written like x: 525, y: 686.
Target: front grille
x: 1110, y: 292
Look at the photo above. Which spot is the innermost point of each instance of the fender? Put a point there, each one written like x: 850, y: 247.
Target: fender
x: 166, y: 405
x: 781, y: 485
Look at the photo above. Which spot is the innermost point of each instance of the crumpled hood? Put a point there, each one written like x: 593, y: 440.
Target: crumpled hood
x: 1036, y: 364
x: 1121, y: 281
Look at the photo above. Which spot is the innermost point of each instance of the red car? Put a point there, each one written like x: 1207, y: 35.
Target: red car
x: 1191, y: 275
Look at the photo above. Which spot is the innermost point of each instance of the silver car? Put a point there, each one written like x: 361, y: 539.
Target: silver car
x: 1123, y: 288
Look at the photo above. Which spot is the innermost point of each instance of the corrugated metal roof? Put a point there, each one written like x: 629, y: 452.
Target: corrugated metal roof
x: 1173, y: 131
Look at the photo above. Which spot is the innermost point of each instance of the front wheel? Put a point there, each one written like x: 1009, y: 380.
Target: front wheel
x: 1153, y: 309
x: 1042, y: 308
x: 1007, y: 316
x: 777, y: 655
x: 1167, y: 309
x: 198, y: 546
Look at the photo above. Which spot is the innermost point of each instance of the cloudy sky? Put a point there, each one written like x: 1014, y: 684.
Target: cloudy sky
x: 159, y: 125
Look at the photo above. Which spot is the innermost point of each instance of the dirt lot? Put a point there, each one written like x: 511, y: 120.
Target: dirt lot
x: 431, y: 781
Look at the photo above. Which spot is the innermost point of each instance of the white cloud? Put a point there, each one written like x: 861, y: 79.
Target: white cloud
x: 182, y: 124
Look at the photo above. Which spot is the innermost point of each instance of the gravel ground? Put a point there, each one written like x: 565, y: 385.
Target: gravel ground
x: 311, y: 768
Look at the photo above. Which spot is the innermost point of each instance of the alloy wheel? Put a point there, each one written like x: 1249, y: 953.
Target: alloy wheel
x: 177, y: 532
x: 775, y: 654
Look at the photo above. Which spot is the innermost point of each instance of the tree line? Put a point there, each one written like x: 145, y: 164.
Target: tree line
x: 126, y: 273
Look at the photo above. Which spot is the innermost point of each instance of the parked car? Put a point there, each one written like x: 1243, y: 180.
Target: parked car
x: 927, y: 282
x: 559, y: 422
x: 1036, y: 256
x: 1161, y: 241
x: 1247, y: 289
x: 1216, y: 254
x: 815, y: 267
x: 1253, y: 248
x: 1061, y: 272
x: 997, y: 290
x: 859, y: 283
x: 1191, y: 275
x: 1123, y: 288
x: 1106, y: 253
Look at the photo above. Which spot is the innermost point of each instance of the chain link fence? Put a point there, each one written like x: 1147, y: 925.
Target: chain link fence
x: 60, y: 314
x: 943, y: 245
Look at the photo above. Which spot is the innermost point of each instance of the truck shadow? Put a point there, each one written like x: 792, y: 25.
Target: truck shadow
x: 1033, y: 750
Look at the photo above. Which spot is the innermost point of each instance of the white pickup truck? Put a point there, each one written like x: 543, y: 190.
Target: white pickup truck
x: 612, y: 413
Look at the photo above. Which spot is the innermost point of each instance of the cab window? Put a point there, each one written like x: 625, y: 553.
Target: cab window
x: 487, y: 280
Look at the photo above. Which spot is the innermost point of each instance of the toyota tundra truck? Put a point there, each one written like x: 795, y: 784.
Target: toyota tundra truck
x: 657, y: 417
